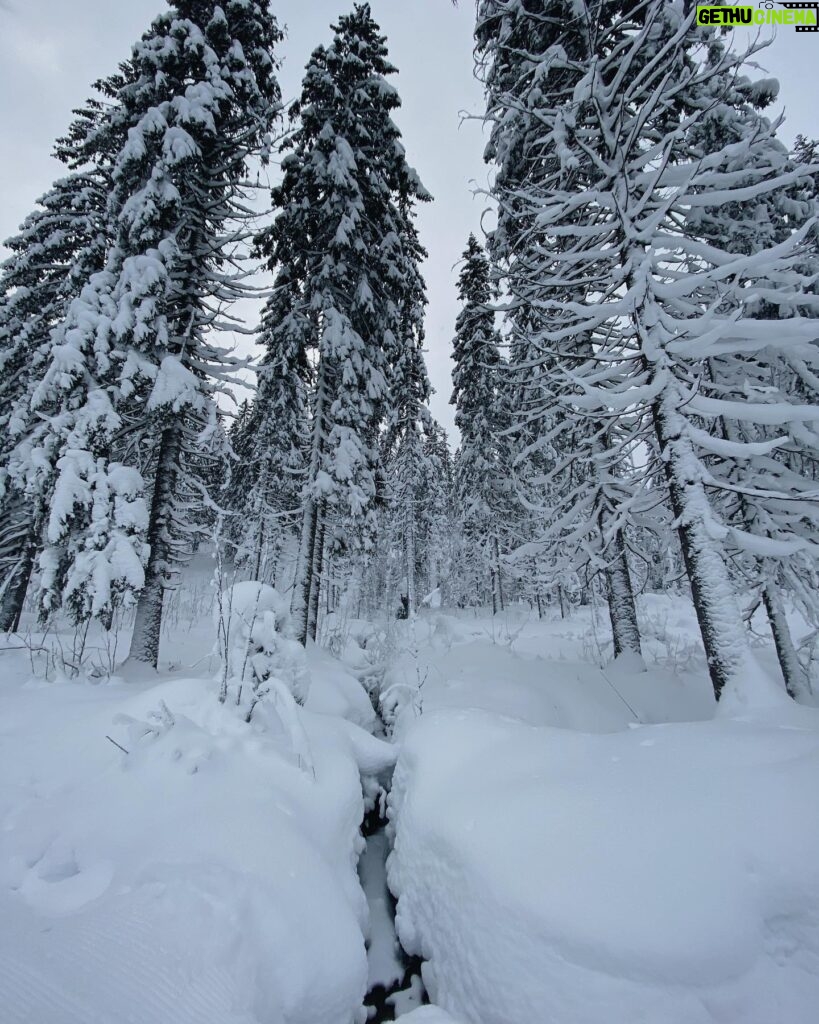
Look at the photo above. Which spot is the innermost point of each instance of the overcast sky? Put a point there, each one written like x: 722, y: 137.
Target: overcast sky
x: 51, y: 50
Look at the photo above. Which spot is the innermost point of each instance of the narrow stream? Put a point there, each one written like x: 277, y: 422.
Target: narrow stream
x: 394, y: 985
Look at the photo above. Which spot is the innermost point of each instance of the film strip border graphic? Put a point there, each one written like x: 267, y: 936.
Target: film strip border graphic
x: 802, y: 7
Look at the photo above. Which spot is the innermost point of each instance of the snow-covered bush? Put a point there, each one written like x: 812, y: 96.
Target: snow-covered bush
x: 256, y: 644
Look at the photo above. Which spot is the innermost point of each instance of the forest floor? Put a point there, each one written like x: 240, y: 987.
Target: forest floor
x: 570, y: 840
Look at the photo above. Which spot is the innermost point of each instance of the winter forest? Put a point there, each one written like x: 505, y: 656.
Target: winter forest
x: 313, y: 711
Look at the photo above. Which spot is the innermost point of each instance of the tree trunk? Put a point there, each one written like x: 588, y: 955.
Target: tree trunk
x: 497, y: 571
x: 409, y: 547
x: 432, y: 566
x: 304, y: 567
x: 19, y: 544
x: 721, y: 625
x: 148, y: 621
x: 303, y: 583
x: 620, y: 594
x: 257, y: 562
x: 316, y: 569
x: 796, y: 682
x: 14, y: 596
x: 261, y: 532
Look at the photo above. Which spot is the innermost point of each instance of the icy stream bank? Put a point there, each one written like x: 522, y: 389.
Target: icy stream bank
x: 394, y: 986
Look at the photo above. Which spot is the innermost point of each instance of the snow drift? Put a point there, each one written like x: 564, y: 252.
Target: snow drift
x: 665, y: 873
x: 207, y: 876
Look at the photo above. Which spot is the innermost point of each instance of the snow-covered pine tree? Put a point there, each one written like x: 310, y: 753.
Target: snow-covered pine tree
x: 340, y: 251
x: 753, y: 327
x: 268, y: 442
x: 59, y: 246
x: 238, y: 530
x: 406, y: 454
x: 510, y: 40
x: 198, y: 107
x: 806, y: 152
x: 663, y: 300
x: 759, y: 476
x: 420, y: 482
x: 572, y: 471
x: 409, y: 421
x: 437, y: 515
x: 482, y: 478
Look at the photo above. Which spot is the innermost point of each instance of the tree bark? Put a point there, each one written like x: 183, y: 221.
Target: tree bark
x: 257, y: 562
x: 498, y: 577
x: 148, y: 621
x: 304, y: 566
x: 721, y: 625
x: 11, y: 606
x: 409, y: 547
x: 622, y: 607
x: 261, y: 537
x: 303, y: 584
x: 316, y: 569
x: 796, y: 682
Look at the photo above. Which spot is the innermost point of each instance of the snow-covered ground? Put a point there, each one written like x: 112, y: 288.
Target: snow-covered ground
x: 575, y: 844
x: 206, y: 875
x: 575, y: 841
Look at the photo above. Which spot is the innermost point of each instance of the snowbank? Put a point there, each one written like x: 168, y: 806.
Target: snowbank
x: 334, y: 691
x: 207, y: 876
x: 428, y: 1015
x: 547, y: 672
x: 664, y: 873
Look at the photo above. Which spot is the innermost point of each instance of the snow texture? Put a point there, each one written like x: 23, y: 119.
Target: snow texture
x: 603, y: 868
x: 204, y: 876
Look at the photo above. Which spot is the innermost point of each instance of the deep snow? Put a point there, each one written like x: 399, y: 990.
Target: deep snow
x: 576, y: 841
x: 575, y: 844
x: 209, y: 875
x: 666, y: 873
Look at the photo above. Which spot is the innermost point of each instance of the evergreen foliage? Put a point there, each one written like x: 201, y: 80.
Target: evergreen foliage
x: 345, y: 257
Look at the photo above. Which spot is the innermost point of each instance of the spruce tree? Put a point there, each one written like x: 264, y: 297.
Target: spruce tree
x: 623, y: 201
x: 59, y: 246
x: 762, y: 480
x: 409, y: 421
x: 406, y: 458
x: 482, y: 471
x: 437, y: 514
x: 197, y: 108
x: 570, y: 468
x: 268, y: 442
x: 36, y: 285
x: 341, y: 251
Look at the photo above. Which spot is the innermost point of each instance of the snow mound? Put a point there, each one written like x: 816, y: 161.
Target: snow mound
x: 205, y: 876
x: 334, y: 691
x: 663, y: 873
x: 254, y: 630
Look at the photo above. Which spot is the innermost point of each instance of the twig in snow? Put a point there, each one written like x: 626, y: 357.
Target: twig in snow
x: 117, y: 745
x: 622, y: 698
